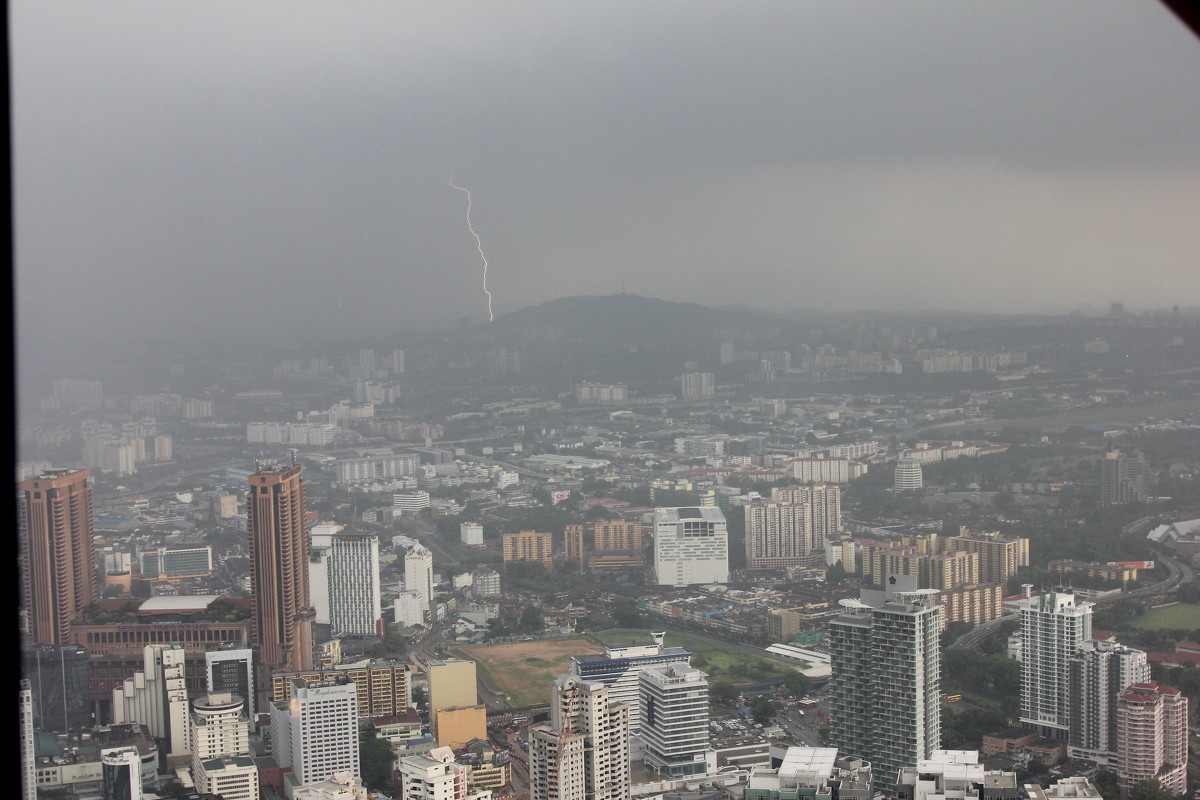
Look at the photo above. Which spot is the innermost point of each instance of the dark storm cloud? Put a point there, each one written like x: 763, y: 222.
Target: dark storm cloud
x: 191, y: 168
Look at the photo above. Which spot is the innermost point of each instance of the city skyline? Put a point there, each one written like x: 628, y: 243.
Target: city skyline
x: 1024, y: 157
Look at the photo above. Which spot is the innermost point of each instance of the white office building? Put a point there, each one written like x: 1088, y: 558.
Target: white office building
x: 354, y: 604
x: 409, y: 608
x: 221, y: 762
x: 28, y: 752
x: 619, y: 668
x: 316, y: 730
x: 908, y: 477
x: 1054, y: 627
x: 230, y: 670
x: 691, y: 545
x: 418, y: 577
x: 470, y: 534
x: 377, y: 468
x: 674, y: 721
x: 156, y: 696
x: 583, y: 753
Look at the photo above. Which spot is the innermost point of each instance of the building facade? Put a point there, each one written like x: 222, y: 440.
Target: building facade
x: 691, y: 545
x: 56, y: 553
x: 220, y: 735
x: 1099, y: 672
x: 780, y: 535
x: 619, y: 669
x: 1053, y: 628
x: 316, y: 729
x: 885, y: 685
x: 528, y: 546
x: 583, y: 753
x: 1152, y: 737
x: 279, y: 545
x: 673, y: 704
x: 354, y: 602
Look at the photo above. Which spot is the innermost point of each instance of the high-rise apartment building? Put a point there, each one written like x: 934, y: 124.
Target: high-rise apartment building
x: 1053, y: 628
x: 279, y: 545
x: 573, y: 544
x: 1122, y: 478
x: 886, y: 680
x: 691, y: 545
x: 618, y: 545
x: 674, y: 721
x: 383, y: 687
x: 619, y: 669
x: 695, y: 386
x: 583, y: 753
x: 452, y: 683
x: 1099, y: 671
x: 397, y: 362
x: 354, y: 604
x: 528, y: 546
x: 316, y: 729
x: 780, y: 535
x: 999, y: 557
x: 220, y: 734
x: 908, y: 476
x: 28, y: 752
x: 56, y: 553
x: 1152, y: 737
x: 825, y: 500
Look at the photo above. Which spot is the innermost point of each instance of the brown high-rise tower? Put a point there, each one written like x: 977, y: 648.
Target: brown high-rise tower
x: 58, y: 558
x: 279, y: 545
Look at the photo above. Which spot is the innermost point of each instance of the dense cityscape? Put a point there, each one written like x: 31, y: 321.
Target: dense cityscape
x: 616, y: 547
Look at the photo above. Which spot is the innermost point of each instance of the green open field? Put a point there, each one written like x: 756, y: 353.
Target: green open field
x: 1182, y: 616
x: 721, y: 663
x: 526, y: 670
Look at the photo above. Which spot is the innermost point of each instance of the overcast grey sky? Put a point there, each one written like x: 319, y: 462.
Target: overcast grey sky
x: 185, y: 168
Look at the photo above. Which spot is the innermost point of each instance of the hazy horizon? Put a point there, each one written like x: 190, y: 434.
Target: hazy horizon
x: 192, y: 170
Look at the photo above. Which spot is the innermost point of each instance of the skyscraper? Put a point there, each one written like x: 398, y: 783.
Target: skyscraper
x: 57, y: 556
x: 58, y: 676
x: 230, y: 670
x: 674, y: 721
x: 583, y: 753
x: 1053, y: 627
x: 316, y: 729
x: 28, y: 754
x: 279, y: 544
x: 825, y: 499
x: 886, y: 680
x: 1122, y: 478
x: 691, y: 545
x: 779, y: 535
x: 1099, y: 671
x: 908, y: 476
x: 418, y: 577
x: 1152, y: 737
x: 354, y: 605
x: 573, y: 544
x: 220, y: 734
x: 619, y: 668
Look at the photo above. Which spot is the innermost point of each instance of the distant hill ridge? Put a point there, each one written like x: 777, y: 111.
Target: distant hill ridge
x: 632, y: 319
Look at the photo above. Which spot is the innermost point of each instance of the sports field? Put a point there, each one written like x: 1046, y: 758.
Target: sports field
x: 526, y: 670
x: 1177, y: 617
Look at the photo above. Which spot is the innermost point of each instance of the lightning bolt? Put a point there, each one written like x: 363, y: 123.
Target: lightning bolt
x: 478, y: 245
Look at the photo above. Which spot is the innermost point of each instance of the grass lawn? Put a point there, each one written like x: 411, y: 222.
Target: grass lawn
x: 526, y: 670
x: 717, y: 659
x: 1182, y: 616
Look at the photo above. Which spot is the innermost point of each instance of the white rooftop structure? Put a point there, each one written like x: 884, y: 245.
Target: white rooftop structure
x: 181, y: 602
x: 808, y: 764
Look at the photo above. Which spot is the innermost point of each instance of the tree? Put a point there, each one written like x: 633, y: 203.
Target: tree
x: 763, y: 708
x: 376, y: 761
x: 723, y: 691
x: 141, y: 589
x: 625, y: 614
x: 1106, y: 783
x: 1149, y: 789
x: 796, y: 682
x: 531, y: 620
